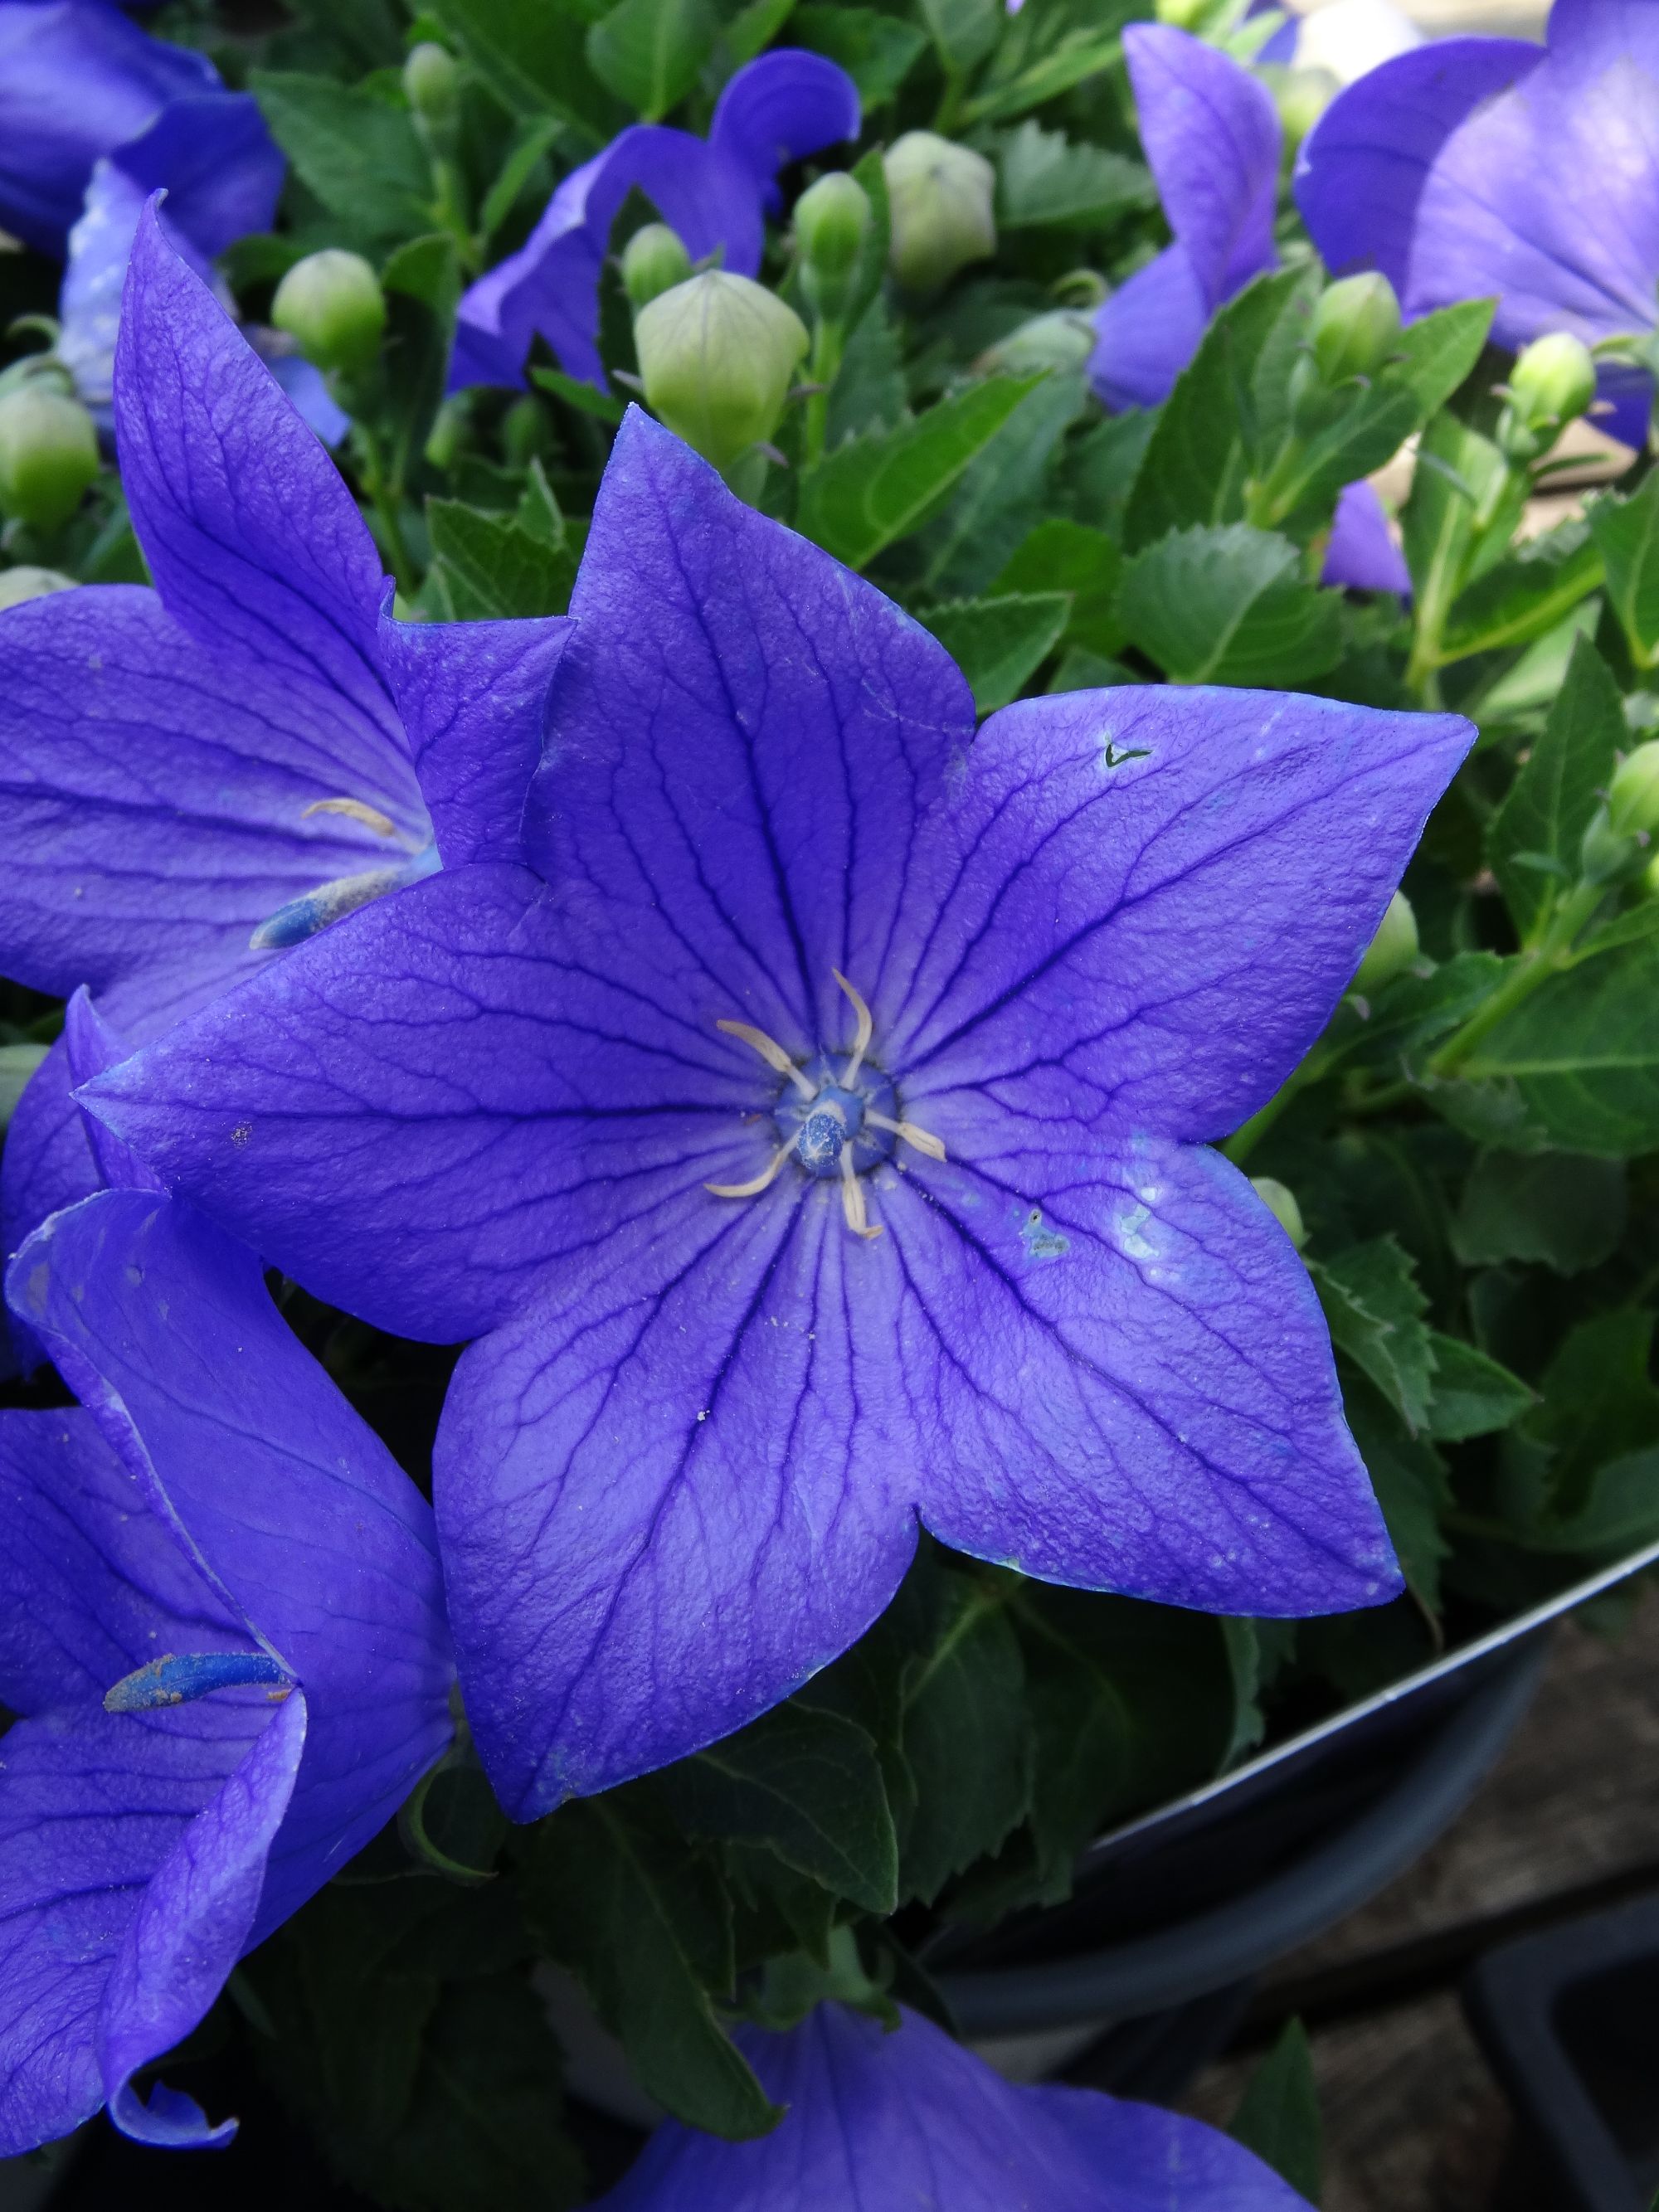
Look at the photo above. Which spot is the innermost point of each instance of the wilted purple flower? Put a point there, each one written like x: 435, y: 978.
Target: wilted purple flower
x: 878, y: 2118
x: 817, y: 1126
x: 715, y: 193
x: 193, y: 776
x: 222, y: 1620
x: 1483, y: 166
x: 1212, y: 139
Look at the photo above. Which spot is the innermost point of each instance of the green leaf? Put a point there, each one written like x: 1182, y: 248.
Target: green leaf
x: 1376, y: 1310
x: 533, y: 141
x: 1597, y: 1403
x: 1045, y: 179
x: 1047, y: 49
x: 1473, y: 1394
x: 490, y: 566
x: 966, y: 1738
x: 999, y: 643
x: 1409, y: 1478
x: 1279, y: 2117
x: 1532, y: 840
x: 1559, y: 1210
x: 1457, y: 467
x: 531, y: 54
x: 1230, y: 606
x: 603, y: 406
x: 423, y: 285
x: 1627, y: 534
x: 1002, y: 491
x: 806, y: 1783
x: 753, y: 28
x: 869, y: 386
x: 1061, y: 555
x: 876, y: 51
x: 1620, y: 1511
x: 963, y: 31
x: 17, y: 1064
x: 649, y: 53
x: 361, y: 157
x: 880, y: 487
x: 645, y: 1924
x: 1434, y: 354
x: 1525, y: 594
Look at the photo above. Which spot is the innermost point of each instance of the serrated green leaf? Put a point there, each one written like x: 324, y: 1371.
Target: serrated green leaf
x: 876, y: 51
x: 1230, y: 606
x: 1456, y: 468
x: 649, y: 52
x: 965, y: 1737
x: 1597, y: 1403
x: 1620, y: 1511
x: 1556, y: 792
x: 1558, y: 1210
x: 1061, y: 556
x: 1001, y: 494
x: 806, y: 1783
x: 1279, y: 2117
x: 360, y: 157
x: 877, y: 488
x: 531, y: 54
x: 491, y: 567
x: 1376, y: 1310
x: 1627, y: 534
x: 423, y: 284
x: 963, y: 31
x: 1436, y: 352
x: 1048, y: 48
x: 1474, y: 1396
x: 999, y: 643
x: 1045, y: 179
x: 1525, y: 594
x: 646, y: 1927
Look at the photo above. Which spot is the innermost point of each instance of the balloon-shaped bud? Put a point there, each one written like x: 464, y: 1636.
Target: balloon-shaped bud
x: 940, y: 200
x: 717, y: 356
x: 1392, y: 948
x: 1184, y: 14
x: 654, y: 261
x: 1356, y: 326
x: 832, y: 220
x: 48, y: 455
x: 1280, y: 1202
x: 1062, y: 340
x: 331, y: 304
x: 1551, y: 384
x: 1633, y: 793
x: 24, y: 582
x: 432, y: 83
x: 1301, y: 95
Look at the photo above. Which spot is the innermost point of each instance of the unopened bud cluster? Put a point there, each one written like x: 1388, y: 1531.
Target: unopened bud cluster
x: 1351, y: 338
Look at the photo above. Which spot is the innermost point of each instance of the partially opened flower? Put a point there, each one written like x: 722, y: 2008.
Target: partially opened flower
x: 886, y: 2122
x: 194, y: 776
x: 817, y: 1127
x: 1213, y: 137
x: 222, y: 1626
x: 715, y: 193
x: 1493, y: 165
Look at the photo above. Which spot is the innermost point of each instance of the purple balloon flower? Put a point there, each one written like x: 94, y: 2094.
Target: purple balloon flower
x: 715, y: 193
x: 879, y: 2118
x: 816, y: 1122
x: 1212, y: 139
x: 193, y: 777
x: 222, y: 1625
x: 1482, y: 166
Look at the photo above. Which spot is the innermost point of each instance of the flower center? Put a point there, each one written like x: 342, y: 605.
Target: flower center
x: 832, y: 1123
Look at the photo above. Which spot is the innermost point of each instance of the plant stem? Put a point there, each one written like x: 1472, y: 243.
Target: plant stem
x: 1535, y: 967
x: 384, y: 496
x: 1244, y: 1139
x: 829, y: 342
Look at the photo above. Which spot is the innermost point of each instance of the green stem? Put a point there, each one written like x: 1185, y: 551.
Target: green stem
x: 385, y: 497
x: 828, y: 341
x: 1267, y: 503
x: 1534, y: 968
x: 1244, y: 1140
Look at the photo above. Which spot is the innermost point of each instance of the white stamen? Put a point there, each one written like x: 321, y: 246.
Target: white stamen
x: 371, y: 817
x: 851, y: 1200
x: 923, y: 1140
x: 866, y: 1030
x: 771, y: 1052
x: 761, y: 1182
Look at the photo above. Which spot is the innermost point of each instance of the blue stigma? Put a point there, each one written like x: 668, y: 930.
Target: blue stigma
x: 303, y: 917
x: 176, y: 1680
x: 832, y: 1122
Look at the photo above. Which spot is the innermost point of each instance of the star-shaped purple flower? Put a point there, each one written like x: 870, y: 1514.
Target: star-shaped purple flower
x: 221, y: 1621
x: 1482, y: 166
x: 815, y: 1127
x: 908, y: 2118
x: 715, y: 193
x: 193, y: 777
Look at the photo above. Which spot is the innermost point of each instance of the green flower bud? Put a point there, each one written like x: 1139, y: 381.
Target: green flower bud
x: 1392, y: 948
x: 1301, y: 95
x: 1062, y: 339
x: 1633, y: 793
x: 654, y: 261
x: 432, y: 83
x: 48, y: 455
x: 1282, y: 1204
x: 1356, y: 326
x: 940, y: 199
x: 1184, y: 14
x: 332, y: 303
x: 1553, y: 380
x: 832, y: 220
x: 23, y: 583
x: 717, y: 356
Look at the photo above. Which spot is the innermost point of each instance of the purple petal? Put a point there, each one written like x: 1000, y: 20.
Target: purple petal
x: 1146, y: 332
x: 77, y: 80
x: 1625, y: 394
x: 1362, y: 554
x: 473, y: 700
x: 93, y: 1046
x: 294, y: 1511
x: 875, y: 2118
x: 254, y: 541
x: 1211, y: 137
x: 47, y: 1162
x: 306, y: 388
x: 778, y: 109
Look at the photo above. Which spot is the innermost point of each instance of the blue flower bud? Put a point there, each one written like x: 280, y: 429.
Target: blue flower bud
x: 1280, y: 1202
x: 1392, y: 948
x: 1633, y: 793
x: 654, y: 261
x: 432, y: 83
x: 832, y: 220
x: 717, y: 356
x: 331, y: 304
x: 48, y: 455
x: 940, y: 198
x: 1355, y: 328
x: 24, y: 582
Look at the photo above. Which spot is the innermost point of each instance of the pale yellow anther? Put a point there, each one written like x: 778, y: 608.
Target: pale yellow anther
x: 866, y: 1030
x: 851, y: 1200
x: 370, y: 816
x: 770, y: 1051
x: 761, y: 1182
x: 913, y: 1133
